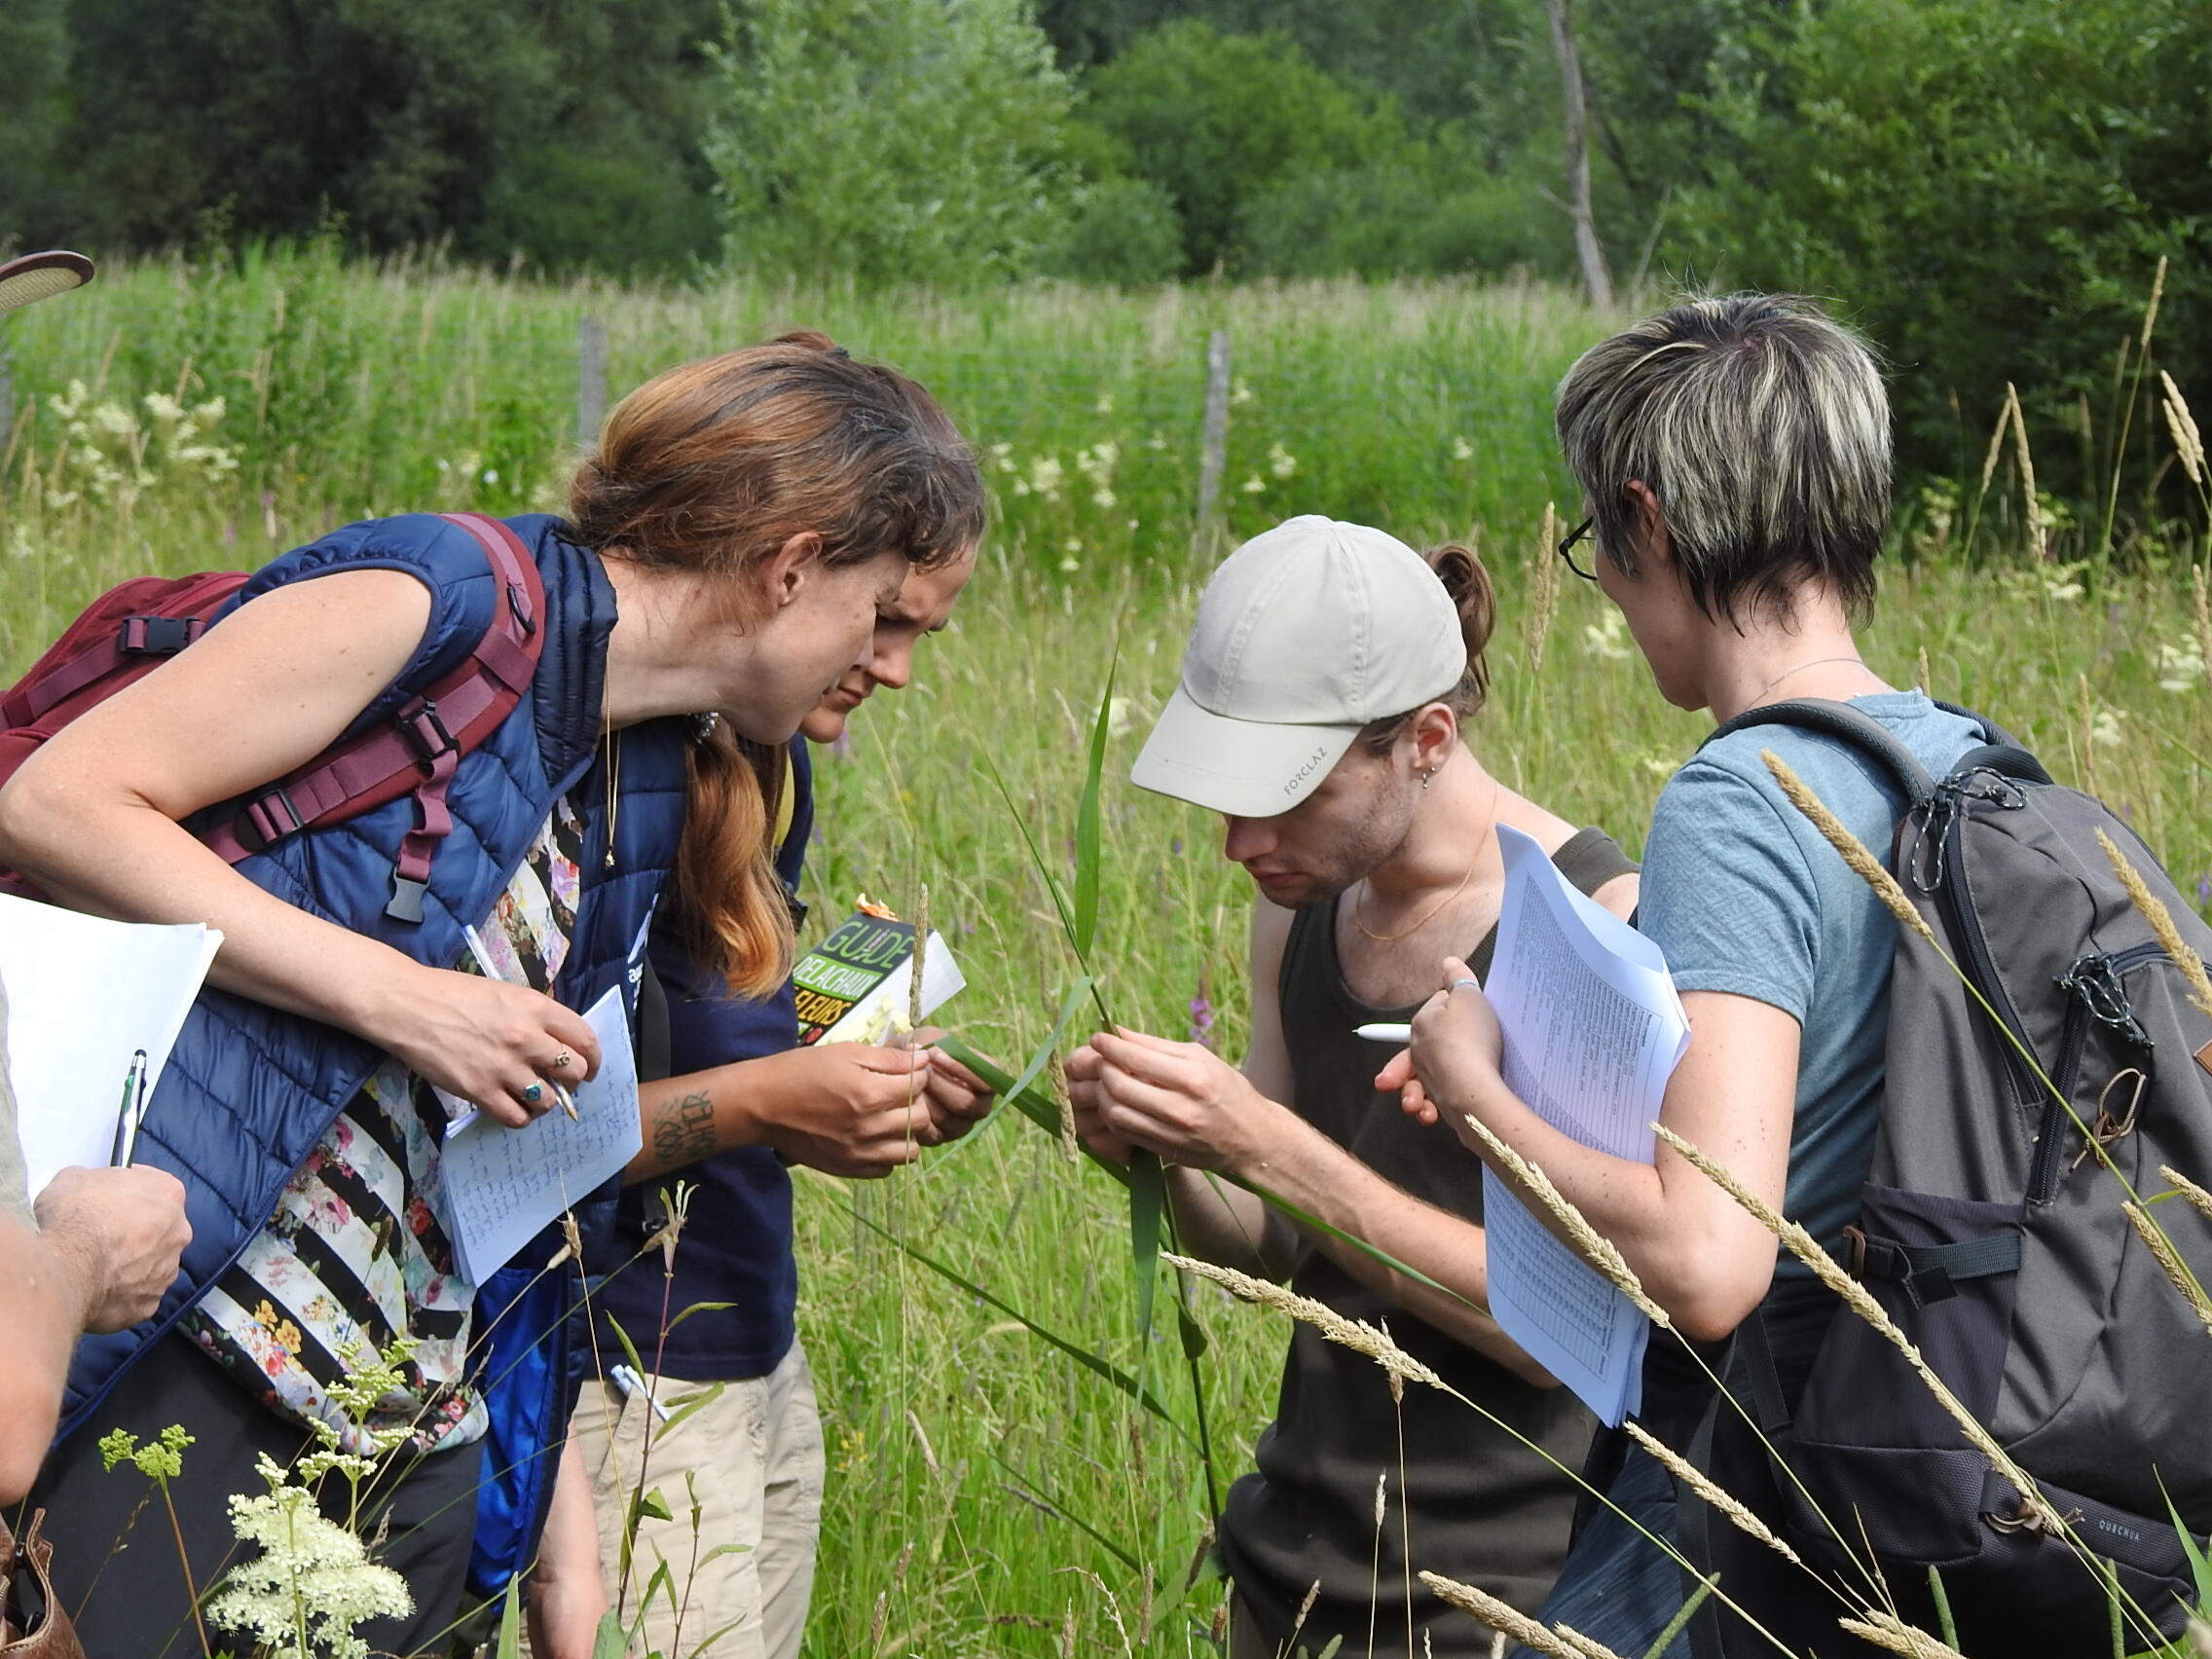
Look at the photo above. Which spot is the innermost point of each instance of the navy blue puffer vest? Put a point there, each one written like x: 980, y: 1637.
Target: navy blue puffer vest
x: 249, y: 1090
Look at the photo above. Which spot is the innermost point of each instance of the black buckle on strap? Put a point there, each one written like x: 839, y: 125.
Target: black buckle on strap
x: 156, y: 635
x: 419, y: 725
x: 267, y: 818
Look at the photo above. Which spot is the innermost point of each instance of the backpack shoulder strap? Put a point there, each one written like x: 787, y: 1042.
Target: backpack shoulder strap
x: 1847, y: 725
x: 418, y: 752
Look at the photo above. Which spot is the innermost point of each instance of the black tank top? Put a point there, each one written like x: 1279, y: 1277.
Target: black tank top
x: 1483, y: 1508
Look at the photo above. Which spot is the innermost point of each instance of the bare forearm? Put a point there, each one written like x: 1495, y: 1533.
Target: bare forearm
x: 1220, y: 1221
x: 702, y: 1113
x: 125, y: 860
x: 43, y: 1302
x: 569, y: 1590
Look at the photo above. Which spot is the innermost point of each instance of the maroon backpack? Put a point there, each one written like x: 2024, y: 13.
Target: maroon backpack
x: 130, y: 630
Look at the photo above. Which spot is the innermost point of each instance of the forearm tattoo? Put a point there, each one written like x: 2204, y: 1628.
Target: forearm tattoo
x: 683, y: 1129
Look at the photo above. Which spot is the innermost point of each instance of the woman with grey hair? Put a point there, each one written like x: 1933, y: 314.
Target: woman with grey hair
x: 1735, y: 457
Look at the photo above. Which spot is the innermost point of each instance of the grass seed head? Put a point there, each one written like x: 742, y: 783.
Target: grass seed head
x: 1056, y: 1074
x: 2170, y: 1262
x: 1592, y: 1246
x: 2189, y: 443
x: 2195, y: 1197
x: 1863, y: 864
x: 1807, y: 1250
x: 1892, y: 1634
x: 1707, y: 1488
x: 1354, y: 1334
x: 2153, y: 910
x: 1509, y: 1621
x: 1543, y: 589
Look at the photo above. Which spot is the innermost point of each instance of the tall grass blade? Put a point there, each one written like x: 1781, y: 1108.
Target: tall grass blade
x: 510, y: 1623
x: 1105, y: 1369
x: 1148, y: 1204
x: 1088, y: 826
x: 1680, y: 1621
x: 1033, y: 1492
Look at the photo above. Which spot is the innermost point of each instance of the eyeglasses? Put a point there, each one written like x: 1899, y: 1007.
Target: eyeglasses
x: 1566, y: 548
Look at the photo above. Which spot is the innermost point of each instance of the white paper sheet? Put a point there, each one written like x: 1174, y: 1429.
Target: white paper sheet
x: 499, y: 1187
x: 1592, y: 1030
x: 84, y: 996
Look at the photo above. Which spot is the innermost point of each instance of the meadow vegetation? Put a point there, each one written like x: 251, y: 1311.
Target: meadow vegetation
x: 988, y: 1493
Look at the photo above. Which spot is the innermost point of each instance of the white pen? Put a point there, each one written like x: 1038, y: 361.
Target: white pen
x: 632, y: 1384
x: 1384, y: 1033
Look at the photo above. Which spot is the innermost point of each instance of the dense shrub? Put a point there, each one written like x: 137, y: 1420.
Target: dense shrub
x: 891, y: 140
x: 1987, y: 186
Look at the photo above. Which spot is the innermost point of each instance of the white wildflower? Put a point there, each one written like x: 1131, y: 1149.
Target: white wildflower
x: 163, y: 408
x: 1239, y: 392
x: 314, y: 1583
x: 1047, y: 475
x: 490, y: 475
x: 1103, y: 498
x: 1660, y: 765
x: 1281, y: 462
x: 1605, y: 639
x: 1253, y: 485
x: 1105, y: 404
x: 1461, y: 450
x: 2181, y: 668
x: 2105, y: 728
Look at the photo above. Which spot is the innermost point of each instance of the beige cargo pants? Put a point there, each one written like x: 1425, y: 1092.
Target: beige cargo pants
x: 739, y: 1578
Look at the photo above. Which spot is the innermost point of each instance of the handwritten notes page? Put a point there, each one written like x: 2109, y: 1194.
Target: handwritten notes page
x: 1592, y: 1030
x: 84, y: 995
x: 499, y: 1187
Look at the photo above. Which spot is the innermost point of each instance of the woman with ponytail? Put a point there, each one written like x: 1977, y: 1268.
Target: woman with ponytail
x: 730, y: 544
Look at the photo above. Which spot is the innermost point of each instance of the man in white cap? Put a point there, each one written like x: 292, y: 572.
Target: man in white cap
x: 1324, y: 695
x: 95, y: 1248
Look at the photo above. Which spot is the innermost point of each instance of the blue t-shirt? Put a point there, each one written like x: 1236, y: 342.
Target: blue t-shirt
x: 1744, y: 896
x: 736, y: 1246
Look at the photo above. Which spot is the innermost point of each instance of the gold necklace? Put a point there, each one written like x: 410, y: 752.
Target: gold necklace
x: 614, y: 791
x: 1437, y: 909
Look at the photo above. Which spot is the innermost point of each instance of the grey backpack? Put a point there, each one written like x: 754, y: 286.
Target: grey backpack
x: 1993, y: 1235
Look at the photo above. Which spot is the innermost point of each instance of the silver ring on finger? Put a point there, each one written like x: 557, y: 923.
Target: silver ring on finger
x: 1470, y: 983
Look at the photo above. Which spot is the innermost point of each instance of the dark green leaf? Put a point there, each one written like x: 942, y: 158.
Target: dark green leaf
x: 1087, y: 825
x: 1084, y: 1357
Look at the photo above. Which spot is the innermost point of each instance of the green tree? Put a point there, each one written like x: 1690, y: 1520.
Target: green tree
x: 1987, y: 186
x: 891, y: 140
x: 1216, y: 120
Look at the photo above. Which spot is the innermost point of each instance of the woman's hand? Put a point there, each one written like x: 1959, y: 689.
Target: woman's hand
x: 958, y: 1099
x: 483, y: 1040
x: 1452, y: 1066
x: 1085, y: 1096
x: 851, y: 1109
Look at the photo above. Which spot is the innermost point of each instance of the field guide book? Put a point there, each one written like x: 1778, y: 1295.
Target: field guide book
x: 853, y: 987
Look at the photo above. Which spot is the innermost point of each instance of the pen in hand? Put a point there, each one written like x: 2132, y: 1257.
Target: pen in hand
x: 132, y: 1111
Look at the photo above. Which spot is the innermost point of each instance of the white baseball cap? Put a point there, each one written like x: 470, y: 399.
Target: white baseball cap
x: 1304, y: 635
x: 40, y: 277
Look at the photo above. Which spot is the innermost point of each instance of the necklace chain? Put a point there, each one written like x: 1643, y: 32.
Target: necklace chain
x: 1437, y: 909
x: 1816, y: 662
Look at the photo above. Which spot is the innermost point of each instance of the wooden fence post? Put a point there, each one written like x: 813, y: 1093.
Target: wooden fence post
x: 591, y: 381
x: 1213, y: 453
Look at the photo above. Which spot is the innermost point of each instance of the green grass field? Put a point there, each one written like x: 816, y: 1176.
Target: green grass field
x: 988, y: 1494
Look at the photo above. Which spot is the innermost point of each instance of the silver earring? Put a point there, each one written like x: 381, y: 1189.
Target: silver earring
x: 1428, y: 777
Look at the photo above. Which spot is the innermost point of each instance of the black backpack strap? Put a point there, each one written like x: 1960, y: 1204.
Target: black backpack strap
x: 1847, y: 725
